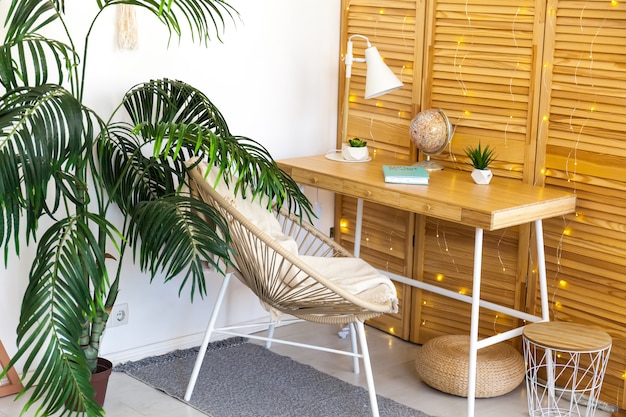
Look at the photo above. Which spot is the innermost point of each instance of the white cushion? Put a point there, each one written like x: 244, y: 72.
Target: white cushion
x: 357, y: 277
x: 255, y: 210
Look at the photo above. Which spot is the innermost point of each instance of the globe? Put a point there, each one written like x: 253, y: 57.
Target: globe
x: 431, y: 132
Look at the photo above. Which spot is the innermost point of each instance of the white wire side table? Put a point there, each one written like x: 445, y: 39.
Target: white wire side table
x: 565, y: 366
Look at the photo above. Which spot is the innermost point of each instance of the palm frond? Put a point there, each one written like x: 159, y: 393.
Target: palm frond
x: 130, y: 175
x: 56, y: 304
x: 155, y: 105
x: 177, y: 235
x: 44, y: 132
x: 203, y: 16
x: 173, y: 117
x: 27, y: 58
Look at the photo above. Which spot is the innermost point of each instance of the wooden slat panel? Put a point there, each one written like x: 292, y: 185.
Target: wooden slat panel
x: 584, y: 150
x: 545, y: 84
x: 391, y: 27
x: 386, y: 243
x: 482, y: 73
x: 448, y: 263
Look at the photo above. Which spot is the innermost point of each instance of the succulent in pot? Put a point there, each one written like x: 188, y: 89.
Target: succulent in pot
x: 355, y: 150
x: 480, y: 158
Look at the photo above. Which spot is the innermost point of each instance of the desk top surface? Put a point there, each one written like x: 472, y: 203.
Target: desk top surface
x: 450, y: 194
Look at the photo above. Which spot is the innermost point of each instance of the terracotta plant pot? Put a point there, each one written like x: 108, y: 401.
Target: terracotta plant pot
x: 351, y: 153
x: 100, y: 379
x: 99, y: 382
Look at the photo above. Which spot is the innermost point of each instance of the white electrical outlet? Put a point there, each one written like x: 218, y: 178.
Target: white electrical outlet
x: 118, y: 316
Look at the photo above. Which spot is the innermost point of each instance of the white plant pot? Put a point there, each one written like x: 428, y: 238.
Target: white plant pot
x: 482, y: 176
x: 350, y: 153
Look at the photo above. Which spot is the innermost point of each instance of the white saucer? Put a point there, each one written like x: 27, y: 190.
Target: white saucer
x: 336, y: 156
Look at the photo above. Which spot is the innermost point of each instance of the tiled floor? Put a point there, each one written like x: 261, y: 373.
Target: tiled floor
x: 394, y: 375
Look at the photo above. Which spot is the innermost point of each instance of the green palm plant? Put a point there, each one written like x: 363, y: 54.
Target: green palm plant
x: 62, y: 162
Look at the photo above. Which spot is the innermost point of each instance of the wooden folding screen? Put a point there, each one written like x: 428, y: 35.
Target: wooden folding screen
x: 384, y: 122
x: 582, y: 148
x: 545, y: 85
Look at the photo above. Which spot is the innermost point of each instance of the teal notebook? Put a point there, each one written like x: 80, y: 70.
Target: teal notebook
x: 405, y: 174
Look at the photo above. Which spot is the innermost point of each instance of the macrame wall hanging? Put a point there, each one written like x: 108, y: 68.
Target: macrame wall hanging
x: 126, y: 27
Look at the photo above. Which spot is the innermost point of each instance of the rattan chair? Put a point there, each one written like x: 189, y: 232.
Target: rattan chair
x: 292, y: 285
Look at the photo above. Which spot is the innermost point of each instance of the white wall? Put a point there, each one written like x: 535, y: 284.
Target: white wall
x: 275, y: 80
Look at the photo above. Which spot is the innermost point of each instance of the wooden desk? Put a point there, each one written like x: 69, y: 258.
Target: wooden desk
x: 451, y: 195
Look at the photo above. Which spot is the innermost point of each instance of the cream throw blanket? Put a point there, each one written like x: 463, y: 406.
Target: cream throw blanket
x: 357, y: 277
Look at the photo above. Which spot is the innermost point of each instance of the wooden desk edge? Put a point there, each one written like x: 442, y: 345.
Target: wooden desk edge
x: 494, y: 220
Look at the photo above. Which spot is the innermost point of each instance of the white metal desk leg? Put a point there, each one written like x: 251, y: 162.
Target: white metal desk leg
x: 541, y: 267
x: 475, y: 319
x: 359, y: 226
x: 545, y: 313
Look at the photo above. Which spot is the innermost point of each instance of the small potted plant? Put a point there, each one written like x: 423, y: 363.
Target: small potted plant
x: 480, y: 158
x: 355, y: 150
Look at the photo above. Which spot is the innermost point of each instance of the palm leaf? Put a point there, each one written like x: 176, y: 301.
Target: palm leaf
x: 177, y: 235
x: 177, y: 120
x: 203, y: 16
x: 68, y: 265
x: 27, y: 58
x: 44, y: 132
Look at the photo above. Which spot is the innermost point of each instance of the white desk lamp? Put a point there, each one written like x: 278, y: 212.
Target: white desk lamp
x: 379, y: 79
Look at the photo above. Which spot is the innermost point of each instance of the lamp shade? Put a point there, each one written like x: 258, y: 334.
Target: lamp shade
x: 379, y: 78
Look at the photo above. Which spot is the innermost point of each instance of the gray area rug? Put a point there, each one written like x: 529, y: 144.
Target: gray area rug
x: 240, y: 379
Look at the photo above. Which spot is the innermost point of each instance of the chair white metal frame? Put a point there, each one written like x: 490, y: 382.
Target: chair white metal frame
x: 286, y: 284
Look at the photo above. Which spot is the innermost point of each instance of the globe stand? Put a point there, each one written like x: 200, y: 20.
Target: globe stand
x: 429, y: 164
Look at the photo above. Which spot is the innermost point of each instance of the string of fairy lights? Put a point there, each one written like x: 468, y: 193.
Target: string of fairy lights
x: 460, y: 56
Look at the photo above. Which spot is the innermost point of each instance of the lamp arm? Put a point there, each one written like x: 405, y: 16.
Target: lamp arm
x: 349, y: 59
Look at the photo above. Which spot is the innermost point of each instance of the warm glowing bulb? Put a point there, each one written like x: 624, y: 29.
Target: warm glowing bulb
x: 593, y: 108
x: 439, y: 277
x: 467, y: 113
x: 343, y: 224
x: 545, y: 118
x: 614, y: 3
x: 567, y: 231
x: 379, y: 104
x: 391, y: 330
x: 382, y: 11
x: 562, y: 283
x: 352, y: 99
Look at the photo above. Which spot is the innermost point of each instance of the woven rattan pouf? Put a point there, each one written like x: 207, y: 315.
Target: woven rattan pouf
x: 443, y: 363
